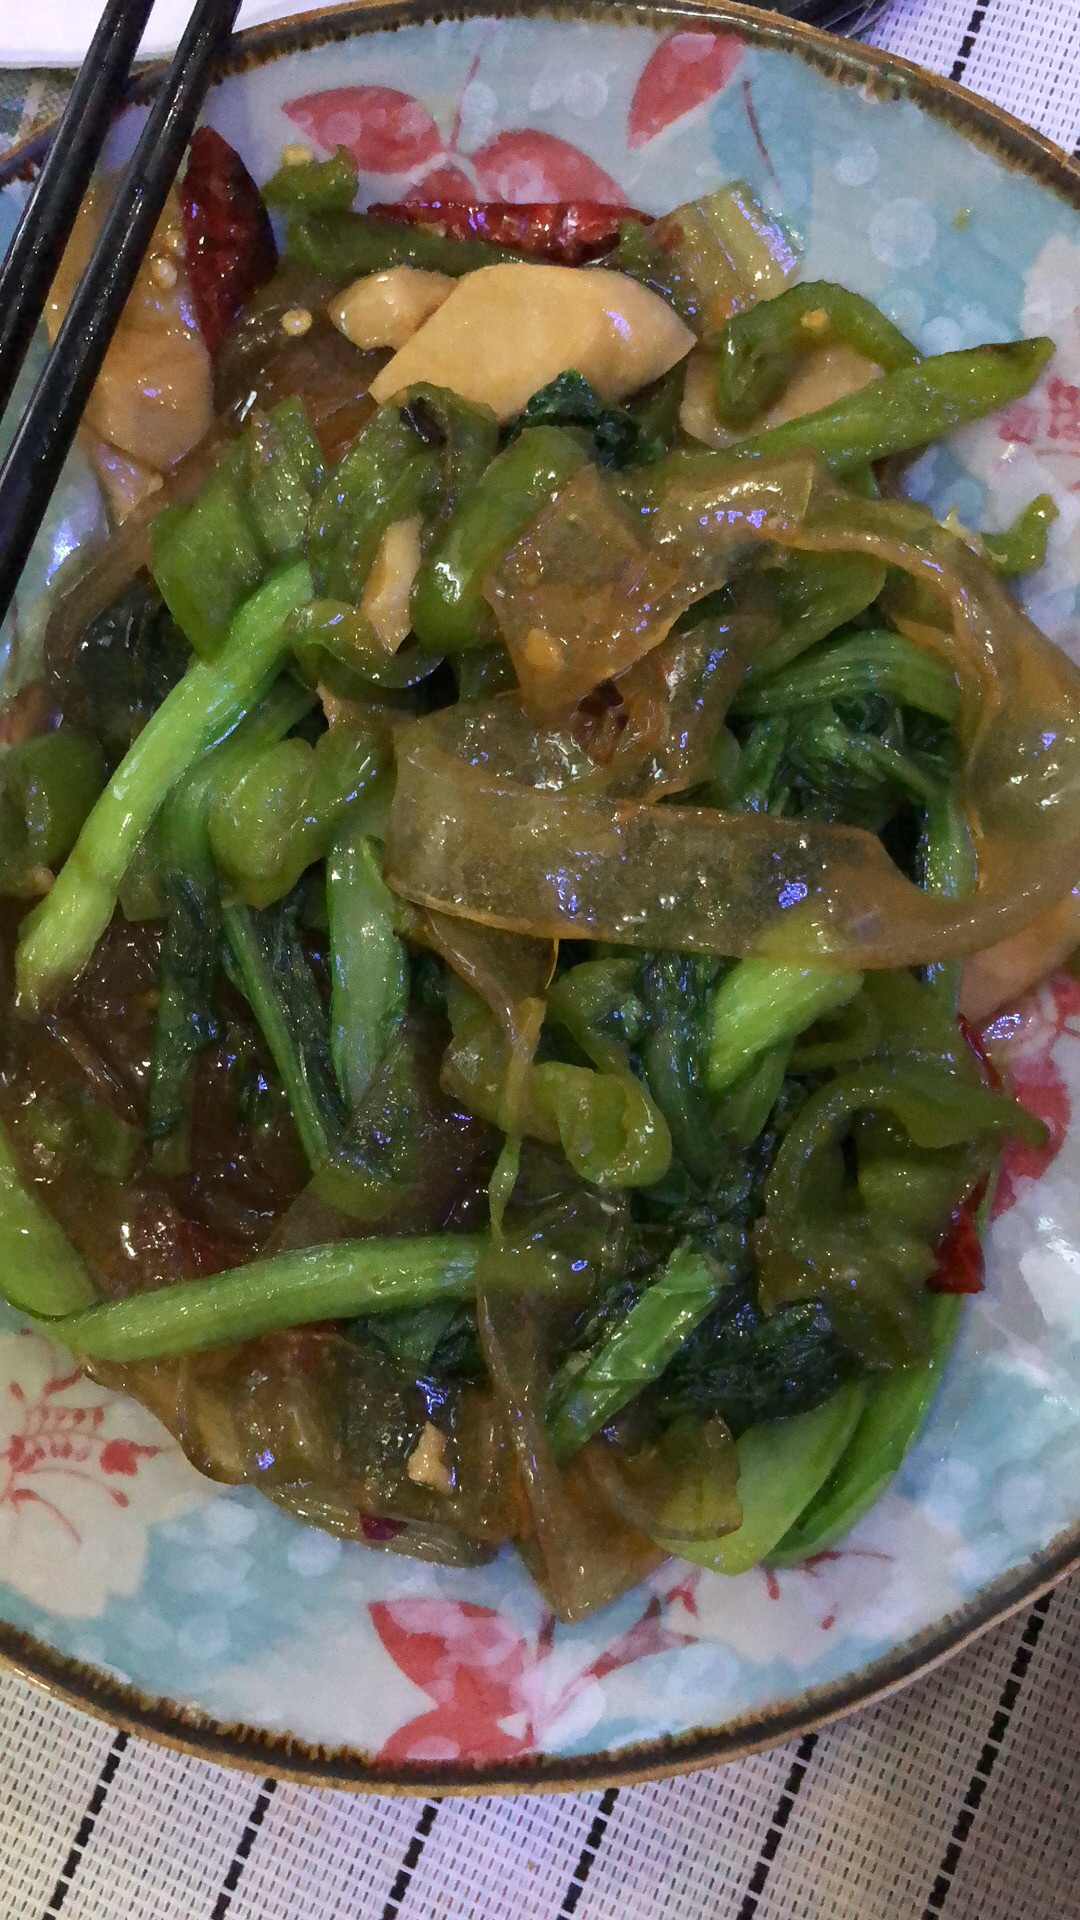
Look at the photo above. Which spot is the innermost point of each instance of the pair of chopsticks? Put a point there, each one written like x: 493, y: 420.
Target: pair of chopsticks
x: 48, y: 425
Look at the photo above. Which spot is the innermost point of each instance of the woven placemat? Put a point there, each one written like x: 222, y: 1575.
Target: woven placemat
x: 957, y: 1797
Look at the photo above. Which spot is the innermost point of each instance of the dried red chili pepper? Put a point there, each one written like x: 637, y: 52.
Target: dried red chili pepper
x: 564, y: 231
x: 978, y: 1047
x: 229, y: 240
x: 204, y: 1252
x: 376, y: 1529
x: 960, y: 1263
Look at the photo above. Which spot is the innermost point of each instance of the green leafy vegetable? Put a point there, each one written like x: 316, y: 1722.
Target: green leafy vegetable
x: 191, y: 947
x: 619, y: 437
x: 758, y: 1005
x: 781, y: 1466
x: 749, y: 1366
x: 635, y: 1350
x: 370, y: 967
x: 48, y: 786
x: 895, y: 1409
x: 60, y: 935
x: 40, y: 1272
x: 124, y: 662
x: 274, y: 973
x: 252, y: 515
x: 289, y: 1290
x: 854, y: 666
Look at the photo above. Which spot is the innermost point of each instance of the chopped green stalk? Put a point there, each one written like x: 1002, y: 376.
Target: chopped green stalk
x: 283, y: 472
x: 206, y: 558
x: 345, y: 246
x: 388, y: 474
x: 1021, y: 548
x: 448, y: 606
x: 908, y: 408
x: 781, y: 1466
x: 463, y: 433
x: 896, y: 1407
x: 949, y: 867
x: 637, y: 1348
x: 948, y: 853
x: 191, y: 942
x: 318, y: 186
x: 252, y: 516
x: 332, y: 1282
x: 745, y: 1108
x: 761, y: 349
x: 281, y: 991
x: 279, y: 810
x: 760, y: 1004
x: 852, y: 667
x: 79, y: 1130
x: 369, y: 964
x: 60, y: 935
x: 186, y: 1019
x: 40, y: 1272
x: 47, y: 788
x: 674, y: 991
x: 754, y: 777
x: 710, y: 257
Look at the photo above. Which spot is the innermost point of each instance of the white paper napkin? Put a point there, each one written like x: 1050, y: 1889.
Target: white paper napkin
x: 56, y: 33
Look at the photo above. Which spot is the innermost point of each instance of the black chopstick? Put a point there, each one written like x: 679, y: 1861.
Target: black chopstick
x: 26, y: 273
x: 52, y: 415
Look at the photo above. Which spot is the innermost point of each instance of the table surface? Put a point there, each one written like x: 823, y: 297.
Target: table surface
x: 956, y: 1797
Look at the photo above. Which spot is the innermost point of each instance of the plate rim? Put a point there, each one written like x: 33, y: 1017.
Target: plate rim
x: 169, y: 1724
x: 179, y: 1729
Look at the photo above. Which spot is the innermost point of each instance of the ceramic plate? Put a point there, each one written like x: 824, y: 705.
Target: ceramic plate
x: 210, y: 1618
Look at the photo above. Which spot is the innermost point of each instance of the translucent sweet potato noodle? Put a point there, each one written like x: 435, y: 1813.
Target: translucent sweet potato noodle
x: 549, y: 855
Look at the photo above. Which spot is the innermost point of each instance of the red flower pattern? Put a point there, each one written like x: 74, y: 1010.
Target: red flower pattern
x: 1048, y: 420
x: 685, y: 70
x: 811, y: 1568
x: 392, y: 133
x: 386, y: 131
x: 489, y: 1684
x: 526, y: 165
x: 1029, y: 1039
x: 49, y: 1439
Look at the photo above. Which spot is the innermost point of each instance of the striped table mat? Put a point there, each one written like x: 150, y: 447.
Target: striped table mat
x: 959, y: 1797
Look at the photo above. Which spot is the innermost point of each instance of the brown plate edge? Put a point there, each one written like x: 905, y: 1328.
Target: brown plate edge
x: 169, y: 1724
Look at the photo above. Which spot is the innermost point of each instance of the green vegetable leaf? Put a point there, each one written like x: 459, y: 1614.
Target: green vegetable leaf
x: 618, y: 437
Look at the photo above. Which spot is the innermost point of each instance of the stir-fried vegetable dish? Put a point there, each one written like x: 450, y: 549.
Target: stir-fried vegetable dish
x: 495, y: 866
